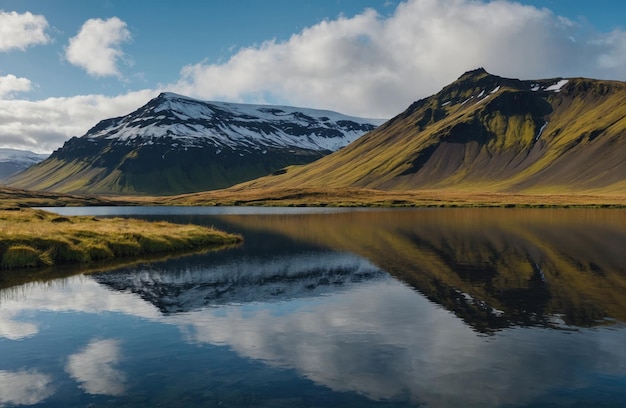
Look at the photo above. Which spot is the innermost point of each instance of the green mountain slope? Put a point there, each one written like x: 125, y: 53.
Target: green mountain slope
x: 487, y: 133
x: 148, y: 169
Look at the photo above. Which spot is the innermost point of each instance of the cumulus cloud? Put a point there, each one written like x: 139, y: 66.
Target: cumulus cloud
x: 376, y: 66
x: 94, y: 368
x: 42, y: 126
x: 24, y: 387
x: 19, y: 31
x: 10, y: 85
x: 366, y: 65
x: 96, y: 47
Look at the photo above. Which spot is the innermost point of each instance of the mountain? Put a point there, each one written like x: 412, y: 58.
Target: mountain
x: 13, y: 161
x: 488, y: 133
x: 176, y: 144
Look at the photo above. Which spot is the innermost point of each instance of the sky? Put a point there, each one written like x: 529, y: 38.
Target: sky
x: 67, y: 64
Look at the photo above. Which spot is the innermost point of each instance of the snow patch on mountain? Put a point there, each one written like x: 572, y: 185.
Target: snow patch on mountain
x: 557, y: 87
x: 541, y: 131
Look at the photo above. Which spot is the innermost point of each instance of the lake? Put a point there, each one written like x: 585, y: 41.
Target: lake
x: 333, y: 308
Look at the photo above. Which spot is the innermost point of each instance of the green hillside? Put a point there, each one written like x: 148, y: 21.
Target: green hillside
x: 103, y: 167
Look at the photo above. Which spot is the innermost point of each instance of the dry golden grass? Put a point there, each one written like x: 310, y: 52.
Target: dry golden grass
x: 335, y: 197
x: 35, y: 238
x: 353, y: 197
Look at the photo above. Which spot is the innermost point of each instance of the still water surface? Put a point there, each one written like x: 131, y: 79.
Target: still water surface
x: 334, y: 308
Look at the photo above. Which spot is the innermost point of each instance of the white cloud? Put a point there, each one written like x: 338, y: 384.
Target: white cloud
x: 10, y: 84
x: 94, y: 368
x: 374, y: 66
x: 18, y: 31
x: 96, y: 47
x: 24, y: 387
x: 44, y: 125
x: 613, y: 56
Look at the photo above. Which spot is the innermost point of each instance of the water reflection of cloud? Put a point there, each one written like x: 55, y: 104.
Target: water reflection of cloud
x: 380, y: 339
x: 24, y: 387
x: 365, y: 341
x: 78, y: 293
x: 94, y: 368
x: 13, y: 329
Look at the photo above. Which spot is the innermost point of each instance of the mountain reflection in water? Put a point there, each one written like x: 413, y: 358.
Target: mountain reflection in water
x: 282, y: 278
x: 493, y: 268
x: 359, y: 308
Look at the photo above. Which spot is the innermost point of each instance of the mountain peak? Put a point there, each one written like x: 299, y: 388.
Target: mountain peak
x: 474, y: 74
x: 171, y: 95
x: 195, y: 122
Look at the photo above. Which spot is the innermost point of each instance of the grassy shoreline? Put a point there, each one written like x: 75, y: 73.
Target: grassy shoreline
x: 34, y: 238
x: 359, y: 197
x: 325, y: 197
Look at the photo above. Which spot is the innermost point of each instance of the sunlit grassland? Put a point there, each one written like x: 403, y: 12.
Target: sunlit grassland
x: 36, y: 238
x: 245, y: 195
x: 358, y: 197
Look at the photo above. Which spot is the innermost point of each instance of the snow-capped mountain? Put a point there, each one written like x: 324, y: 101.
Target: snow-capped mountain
x: 176, y: 144
x: 241, y: 127
x: 13, y: 160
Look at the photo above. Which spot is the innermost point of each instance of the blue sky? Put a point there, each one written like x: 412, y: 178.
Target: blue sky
x: 65, y: 65
x: 165, y: 36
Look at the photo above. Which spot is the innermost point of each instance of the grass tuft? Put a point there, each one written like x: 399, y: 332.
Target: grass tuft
x: 21, y: 256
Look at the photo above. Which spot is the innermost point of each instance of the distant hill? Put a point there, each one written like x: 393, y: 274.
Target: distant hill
x: 13, y: 161
x: 175, y: 144
x: 487, y: 133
